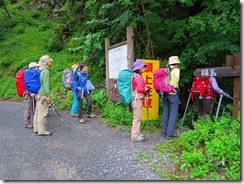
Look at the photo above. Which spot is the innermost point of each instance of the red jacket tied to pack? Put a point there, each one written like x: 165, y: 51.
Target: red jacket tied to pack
x: 19, y: 82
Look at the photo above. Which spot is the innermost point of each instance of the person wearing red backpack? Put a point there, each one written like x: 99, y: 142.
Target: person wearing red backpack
x: 32, y: 85
x: 171, y: 100
x: 204, y: 101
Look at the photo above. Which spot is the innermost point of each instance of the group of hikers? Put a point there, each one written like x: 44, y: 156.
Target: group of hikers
x: 202, y: 89
x: 38, y: 96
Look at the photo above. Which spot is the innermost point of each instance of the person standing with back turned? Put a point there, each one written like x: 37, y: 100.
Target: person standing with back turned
x: 204, y: 103
x: 171, y: 100
x: 43, y: 98
x: 29, y: 82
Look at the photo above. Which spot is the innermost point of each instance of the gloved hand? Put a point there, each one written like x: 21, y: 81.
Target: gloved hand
x: 225, y: 94
x: 147, y: 91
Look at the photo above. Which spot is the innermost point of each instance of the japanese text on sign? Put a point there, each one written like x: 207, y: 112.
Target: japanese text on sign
x: 152, y: 101
x: 208, y: 72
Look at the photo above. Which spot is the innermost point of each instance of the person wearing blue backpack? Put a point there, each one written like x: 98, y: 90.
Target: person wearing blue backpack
x: 32, y: 85
x: 79, y: 84
x: 139, y: 90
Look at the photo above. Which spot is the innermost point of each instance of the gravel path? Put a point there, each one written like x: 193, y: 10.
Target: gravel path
x: 91, y: 151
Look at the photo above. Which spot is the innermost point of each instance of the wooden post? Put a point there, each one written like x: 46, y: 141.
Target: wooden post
x: 130, y: 45
x: 107, y: 45
x: 237, y: 86
x: 230, y: 60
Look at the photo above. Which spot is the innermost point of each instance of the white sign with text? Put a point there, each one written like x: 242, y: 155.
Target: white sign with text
x: 117, y: 58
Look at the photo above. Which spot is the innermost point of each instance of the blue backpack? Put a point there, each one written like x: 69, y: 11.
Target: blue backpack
x: 32, y: 80
x: 124, y: 86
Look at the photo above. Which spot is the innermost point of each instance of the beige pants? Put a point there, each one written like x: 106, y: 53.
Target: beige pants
x: 40, y: 116
x: 137, y: 111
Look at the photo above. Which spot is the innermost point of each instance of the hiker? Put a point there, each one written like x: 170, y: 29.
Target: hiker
x: 171, y: 100
x: 30, y: 94
x: 43, y: 98
x: 79, y: 81
x: 138, y: 96
x: 74, y: 107
x: 204, y: 102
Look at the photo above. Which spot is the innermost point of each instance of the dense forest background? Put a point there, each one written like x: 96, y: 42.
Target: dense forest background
x: 200, y: 32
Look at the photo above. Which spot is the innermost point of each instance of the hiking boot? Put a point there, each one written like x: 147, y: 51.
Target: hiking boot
x: 171, y: 137
x: 46, y: 133
x: 74, y: 115
x: 28, y: 126
x: 91, y: 116
x: 82, y: 121
x: 139, y: 139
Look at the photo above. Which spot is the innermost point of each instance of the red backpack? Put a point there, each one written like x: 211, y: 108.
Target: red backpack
x: 201, y: 88
x: 19, y: 83
x: 160, y: 80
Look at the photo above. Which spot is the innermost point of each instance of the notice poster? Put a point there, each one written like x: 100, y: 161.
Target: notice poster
x: 117, y: 61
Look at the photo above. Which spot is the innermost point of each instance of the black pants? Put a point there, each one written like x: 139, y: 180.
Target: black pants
x: 203, y: 106
x: 80, y: 105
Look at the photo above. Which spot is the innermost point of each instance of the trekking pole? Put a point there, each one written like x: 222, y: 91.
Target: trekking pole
x: 188, y: 101
x: 33, y: 109
x: 147, y: 94
x: 59, y: 115
x: 217, y: 113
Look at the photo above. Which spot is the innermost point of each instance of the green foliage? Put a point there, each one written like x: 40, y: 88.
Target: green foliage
x: 8, y: 88
x: 209, y: 147
x: 99, y: 98
x: 117, y: 114
x: 201, y: 33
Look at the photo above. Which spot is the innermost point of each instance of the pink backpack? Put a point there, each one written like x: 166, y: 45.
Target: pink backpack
x: 161, y: 79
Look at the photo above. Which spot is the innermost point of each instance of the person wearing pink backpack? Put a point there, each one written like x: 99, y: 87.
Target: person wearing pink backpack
x: 171, y: 100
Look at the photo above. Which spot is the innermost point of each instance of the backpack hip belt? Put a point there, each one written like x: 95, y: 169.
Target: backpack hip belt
x: 137, y: 96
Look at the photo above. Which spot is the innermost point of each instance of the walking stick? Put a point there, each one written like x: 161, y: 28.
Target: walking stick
x: 220, y: 99
x: 147, y: 94
x: 59, y: 115
x: 188, y: 101
x: 217, y: 113
x: 33, y: 110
